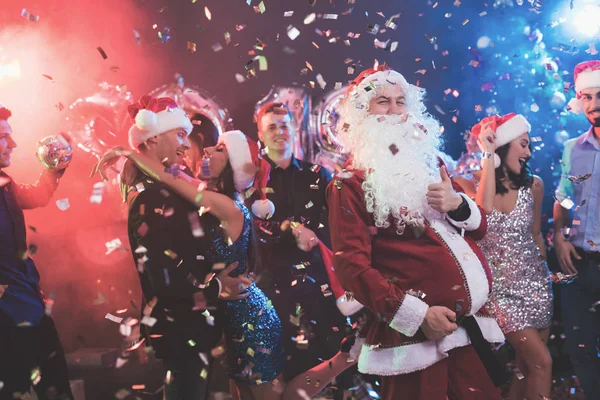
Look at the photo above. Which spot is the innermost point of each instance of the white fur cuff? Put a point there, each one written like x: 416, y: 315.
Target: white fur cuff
x: 410, y: 316
x: 473, y: 222
x: 348, y: 307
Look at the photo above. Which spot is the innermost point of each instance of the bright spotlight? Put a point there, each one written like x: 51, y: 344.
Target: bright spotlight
x: 10, y: 69
x: 586, y: 21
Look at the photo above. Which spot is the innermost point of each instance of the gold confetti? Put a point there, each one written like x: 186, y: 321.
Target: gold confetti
x: 191, y: 46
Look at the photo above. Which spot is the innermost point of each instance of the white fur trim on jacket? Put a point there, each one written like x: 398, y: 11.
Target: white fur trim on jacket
x: 240, y: 158
x: 511, y: 129
x: 416, y: 357
x: 348, y: 307
x: 410, y: 316
x: 473, y: 222
x: 476, y: 282
x: 149, y: 124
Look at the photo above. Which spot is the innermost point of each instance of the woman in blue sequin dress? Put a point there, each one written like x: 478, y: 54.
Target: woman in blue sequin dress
x: 521, y: 296
x: 255, y: 355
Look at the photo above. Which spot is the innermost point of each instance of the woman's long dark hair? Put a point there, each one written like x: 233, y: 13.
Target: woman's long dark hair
x: 517, y: 181
x: 226, y: 186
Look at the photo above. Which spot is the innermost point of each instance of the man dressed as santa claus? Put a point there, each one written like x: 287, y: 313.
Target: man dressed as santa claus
x: 404, y: 235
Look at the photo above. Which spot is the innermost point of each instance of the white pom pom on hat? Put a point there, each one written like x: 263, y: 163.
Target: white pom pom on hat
x: 153, y: 117
x: 146, y: 120
x: 250, y: 169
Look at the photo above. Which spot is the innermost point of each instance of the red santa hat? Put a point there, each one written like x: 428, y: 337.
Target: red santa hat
x: 154, y: 116
x: 250, y: 169
x: 587, y: 75
x: 507, y: 127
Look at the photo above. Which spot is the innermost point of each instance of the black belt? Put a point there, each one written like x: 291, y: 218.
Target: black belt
x: 495, y: 370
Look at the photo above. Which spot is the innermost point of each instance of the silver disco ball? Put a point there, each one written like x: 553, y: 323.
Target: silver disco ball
x: 54, y: 152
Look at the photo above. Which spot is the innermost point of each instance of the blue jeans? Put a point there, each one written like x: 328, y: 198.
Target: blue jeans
x: 582, y: 326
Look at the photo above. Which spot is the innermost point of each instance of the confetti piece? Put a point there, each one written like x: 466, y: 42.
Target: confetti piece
x: 567, y: 203
x: 261, y: 7
x: 592, y: 49
x: 321, y: 81
x: 191, y: 46
x: 29, y: 16
x: 113, y: 318
x: 288, y: 13
x: 310, y: 18
x: 102, y: 52
x: 138, y: 387
x: 63, y: 204
x: 137, y: 37
x: 292, y: 32
x: 207, y: 13
x: 112, y: 245
x: 149, y: 321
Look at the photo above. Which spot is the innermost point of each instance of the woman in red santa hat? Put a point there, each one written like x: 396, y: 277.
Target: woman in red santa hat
x: 252, y: 328
x: 511, y: 196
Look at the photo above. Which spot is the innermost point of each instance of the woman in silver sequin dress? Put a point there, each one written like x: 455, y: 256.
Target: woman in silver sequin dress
x: 521, y: 297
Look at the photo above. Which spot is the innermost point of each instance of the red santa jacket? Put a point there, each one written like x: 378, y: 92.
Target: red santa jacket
x: 385, y: 272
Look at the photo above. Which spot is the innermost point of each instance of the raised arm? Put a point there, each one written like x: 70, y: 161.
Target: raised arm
x: 40, y: 193
x: 486, y: 192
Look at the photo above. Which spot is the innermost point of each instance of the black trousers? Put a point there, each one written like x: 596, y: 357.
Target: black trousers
x: 23, y: 352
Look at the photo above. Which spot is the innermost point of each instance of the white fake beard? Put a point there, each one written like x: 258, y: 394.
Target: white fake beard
x: 400, y: 161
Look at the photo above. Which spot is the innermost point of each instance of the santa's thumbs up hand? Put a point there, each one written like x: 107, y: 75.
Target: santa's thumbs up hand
x: 441, y: 196
x: 444, y: 175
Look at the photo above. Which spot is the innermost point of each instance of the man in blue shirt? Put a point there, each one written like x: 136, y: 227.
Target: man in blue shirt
x: 30, y: 350
x: 577, y: 232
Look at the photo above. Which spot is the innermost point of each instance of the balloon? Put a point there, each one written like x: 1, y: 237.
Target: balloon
x: 324, y: 127
x: 99, y: 122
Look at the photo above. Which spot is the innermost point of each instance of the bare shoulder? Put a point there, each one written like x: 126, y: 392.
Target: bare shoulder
x: 538, y: 186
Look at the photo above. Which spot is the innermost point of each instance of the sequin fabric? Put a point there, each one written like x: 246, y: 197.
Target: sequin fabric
x: 252, y: 328
x: 521, y: 290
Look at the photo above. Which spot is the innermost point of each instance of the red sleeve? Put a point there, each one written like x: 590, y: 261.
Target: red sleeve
x: 352, y: 244
x: 39, y: 194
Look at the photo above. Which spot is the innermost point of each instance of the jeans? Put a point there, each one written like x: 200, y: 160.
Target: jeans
x: 582, y: 323
x: 25, y: 349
